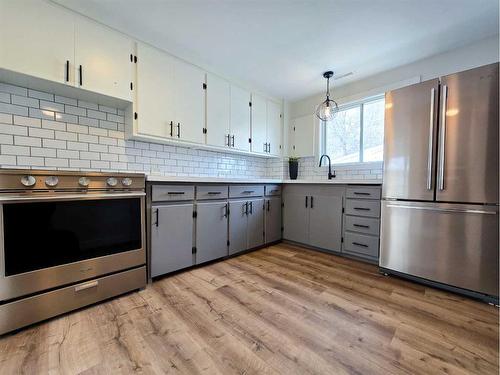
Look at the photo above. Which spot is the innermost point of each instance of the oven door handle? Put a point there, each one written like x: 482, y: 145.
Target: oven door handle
x: 4, y: 198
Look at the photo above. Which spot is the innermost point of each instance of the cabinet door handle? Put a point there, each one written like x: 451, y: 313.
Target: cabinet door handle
x: 312, y: 201
x: 246, y: 208
x: 360, y: 193
x: 178, y: 130
x: 171, y: 128
x: 251, y: 208
x: 362, y: 209
x: 359, y: 244
x: 247, y: 191
x: 157, y: 217
x: 226, y: 210
x: 228, y: 139
x: 307, y: 200
x: 67, y: 70
x: 80, y: 74
x: 232, y: 141
x: 268, y: 204
x: 269, y: 147
x: 361, y: 226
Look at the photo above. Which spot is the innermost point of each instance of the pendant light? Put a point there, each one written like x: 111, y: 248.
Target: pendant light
x: 327, y: 109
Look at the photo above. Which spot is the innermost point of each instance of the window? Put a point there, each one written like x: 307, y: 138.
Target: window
x: 356, y: 134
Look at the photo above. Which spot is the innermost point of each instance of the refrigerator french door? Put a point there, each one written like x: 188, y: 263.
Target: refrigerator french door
x: 440, y: 192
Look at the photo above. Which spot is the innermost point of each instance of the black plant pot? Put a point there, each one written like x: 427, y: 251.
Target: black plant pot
x: 293, y: 169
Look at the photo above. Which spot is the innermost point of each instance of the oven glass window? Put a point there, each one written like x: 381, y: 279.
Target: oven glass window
x: 40, y: 235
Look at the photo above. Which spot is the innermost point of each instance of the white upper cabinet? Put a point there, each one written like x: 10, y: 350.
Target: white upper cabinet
x: 240, y: 118
x: 273, y: 128
x: 259, y: 124
x: 189, y: 102
x: 37, y: 39
x: 218, y: 110
x: 102, y: 60
x: 154, y: 92
x: 302, y: 136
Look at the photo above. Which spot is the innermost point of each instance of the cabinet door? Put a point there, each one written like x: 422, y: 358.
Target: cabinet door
x: 189, y: 102
x: 237, y: 226
x: 274, y: 128
x: 104, y: 56
x: 218, y: 110
x: 240, y: 118
x: 295, y: 218
x: 211, y: 231
x: 255, y: 231
x: 325, y: 222
x: 37, y: 38
x: 259, y: 124
x: 154, y: 94
x: 303, y: 136
x: 273, y: 219
x: 171, y: 238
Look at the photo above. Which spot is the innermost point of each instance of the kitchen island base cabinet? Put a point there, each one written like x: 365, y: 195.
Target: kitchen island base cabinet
x: 273, y: 219
x: 171, y: 238
x: 211, y: 231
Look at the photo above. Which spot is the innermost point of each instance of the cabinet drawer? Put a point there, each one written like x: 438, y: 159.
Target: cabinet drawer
x: 361, y: 207
x: 363, y: 192
x: 362, y: 225
x: 361, y: 244
x: 271, y: 190
x: 211, y: 192
x: 243, y: 191
x: 172, y: 193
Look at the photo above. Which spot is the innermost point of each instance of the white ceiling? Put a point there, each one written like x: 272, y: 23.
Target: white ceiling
x: 281, y: 47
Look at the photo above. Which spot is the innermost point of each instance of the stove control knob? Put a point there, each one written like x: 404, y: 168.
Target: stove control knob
x: 51, y: 181
x: 127, y: 181
x: 111, y: 181
x: 28, y: 181
x: 84, y: 181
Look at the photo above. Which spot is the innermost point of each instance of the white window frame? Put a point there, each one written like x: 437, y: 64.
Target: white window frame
x: 322, y: 143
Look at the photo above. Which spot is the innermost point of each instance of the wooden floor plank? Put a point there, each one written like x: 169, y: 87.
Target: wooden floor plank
x: 279, y: 310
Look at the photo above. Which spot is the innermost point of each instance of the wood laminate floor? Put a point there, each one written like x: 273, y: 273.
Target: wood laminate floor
x: 280, y: 310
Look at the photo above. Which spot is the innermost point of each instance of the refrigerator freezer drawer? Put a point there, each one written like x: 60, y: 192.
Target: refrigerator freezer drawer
x: 454, y: 244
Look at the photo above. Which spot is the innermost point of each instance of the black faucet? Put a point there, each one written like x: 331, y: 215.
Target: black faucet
x: 330, y: 175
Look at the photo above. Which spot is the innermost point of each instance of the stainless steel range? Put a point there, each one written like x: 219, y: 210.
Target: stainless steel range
x: 67, y: 239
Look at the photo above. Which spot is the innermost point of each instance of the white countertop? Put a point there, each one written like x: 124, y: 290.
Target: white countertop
x: 222, y: 180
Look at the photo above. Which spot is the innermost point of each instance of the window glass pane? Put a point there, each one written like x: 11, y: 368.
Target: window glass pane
x: 373, y: 130
x: 342, y: 136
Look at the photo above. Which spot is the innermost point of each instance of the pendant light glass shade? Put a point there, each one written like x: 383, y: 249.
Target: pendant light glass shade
x: 327, y: 109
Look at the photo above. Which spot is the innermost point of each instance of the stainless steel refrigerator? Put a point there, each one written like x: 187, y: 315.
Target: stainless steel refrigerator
x: 441, y: 175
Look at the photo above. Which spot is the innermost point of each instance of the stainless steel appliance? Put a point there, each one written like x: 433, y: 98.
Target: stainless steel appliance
x: 440, y: 192
x: 67, y: 239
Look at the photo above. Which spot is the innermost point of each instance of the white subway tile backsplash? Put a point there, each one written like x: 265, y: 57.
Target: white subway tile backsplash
x: 103, y: 108
x: 40, y: 113
x: 65, y: 100
x: 40, y: 95
x: 84, y: 104
x: 27, y: 141
x: 75, y: 110
x: 13, y: 129
x: 56, y: 162
x: 45, y: 152
x: 80, y: 146
x: 42, y: 133
x: 13, y: 109
x: 27, y: 121
x: 98, y: 148
x: 88, y: 121
x: 70, y: 154
x: 30, y: 161
x: 53, y: 143
x: 66, y: 136
x: 96, y: 114
x: 64, y: 117
x: 14, y: 150
x: 88, y: 138
x: 53, y: 125
x: 7, y: 160
x: 10, y: 89
x: 74, y: 128
x: 77, y: 163
x: 24, y: 101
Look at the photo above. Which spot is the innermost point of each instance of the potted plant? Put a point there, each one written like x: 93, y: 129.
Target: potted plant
x: 293, y: 167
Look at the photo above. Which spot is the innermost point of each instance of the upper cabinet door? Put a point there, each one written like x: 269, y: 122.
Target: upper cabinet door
x: 410, y: 138
x: 189, y: 102
x: 303, y: 136
x: 240, y: 118
x: 104, y: 58
x: 37, y: 38
x: 468, y: 137
x: 273, y: 128
x: 218, y: 110
x: 259, y: 124
x: 155, y: 92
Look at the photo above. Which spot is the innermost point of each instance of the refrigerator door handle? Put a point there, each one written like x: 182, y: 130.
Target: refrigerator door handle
x: 431, y: 140
x: 455, y: 210
x: 442, y: 137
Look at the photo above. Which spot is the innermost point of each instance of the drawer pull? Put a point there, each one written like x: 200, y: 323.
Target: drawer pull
x: 175, y: 192
x: 214, y: 193
x: 361, y: 226
x: 274, y: 191
x: 248, y: 192
x: 92, y: 284
x: 362, y: 208
x: 361, y: 193
x: 359, y: 244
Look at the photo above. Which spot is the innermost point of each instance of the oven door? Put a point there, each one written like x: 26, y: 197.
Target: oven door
x: 51, y: 241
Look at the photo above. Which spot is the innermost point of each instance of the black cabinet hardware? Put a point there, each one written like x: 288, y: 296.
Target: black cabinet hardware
x: 359, y: 244
x: 307, y: 200
x: 80, y: 73
x: 176, y: 192
x: 362, y: 209
x: 135, y: 116
x: 178, y: 130
x: 360, y: 193
x: 131, y: 58
x: 226, y: 210
x: 171, y: 128
x: 135, y: 59
x: 312, y: 201
x: 67, y: 70
x: 251, y: 208
x: 131, y: 86
x: 246, y: 208
x: 214, y: 193
x: 361, y: 226
x: 247, y: 191
x: 195, y: 214
x: 232, y: 141
x: 193, y: 250
x: 204, y: 86
x: 157, y: 215
x: 268, y: 204
x: 204, y: 130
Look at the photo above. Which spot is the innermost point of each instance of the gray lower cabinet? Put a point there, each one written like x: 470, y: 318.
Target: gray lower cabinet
x: 325, y: 222
x: 295, y: 217
x: 272, y: 219
x: 255, y: 224
x: 171, y: 237
x: 211, y: 231
x: 237, y: 226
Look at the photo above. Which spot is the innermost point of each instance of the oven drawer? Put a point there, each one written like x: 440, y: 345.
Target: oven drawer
x: 363, y: 192
x: 211, y: 192
x: 362, y: 225
x: 273, y: 190
x: 361, y: 244
x: 243, y: 191
x: 361, y: 207
x: 30, y: 310
x: 172, y: 193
